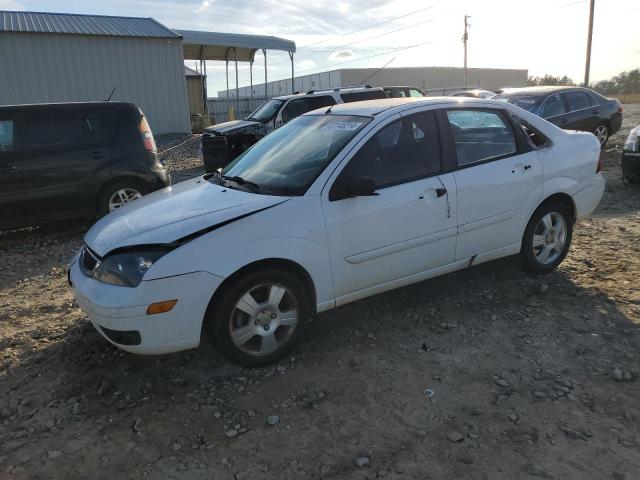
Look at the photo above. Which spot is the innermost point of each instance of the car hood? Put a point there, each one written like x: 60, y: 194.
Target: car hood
x: 234, y: 126
x: 173, y: 213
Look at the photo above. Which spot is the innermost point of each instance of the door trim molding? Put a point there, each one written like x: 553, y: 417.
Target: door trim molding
x: 400, y: 246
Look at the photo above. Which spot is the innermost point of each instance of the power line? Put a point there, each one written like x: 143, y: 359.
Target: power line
x: 372, y: 37
x: 365, y: 58
x: 372, y: 26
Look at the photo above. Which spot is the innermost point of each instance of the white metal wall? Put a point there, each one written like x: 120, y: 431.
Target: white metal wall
x: 425, y: 78
x: 149, y: 72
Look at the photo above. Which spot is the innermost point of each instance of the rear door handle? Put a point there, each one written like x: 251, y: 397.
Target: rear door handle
x: 595, y: 112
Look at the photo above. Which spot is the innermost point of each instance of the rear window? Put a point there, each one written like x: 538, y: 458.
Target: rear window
x: 526, y: 102
x: 348, y: 97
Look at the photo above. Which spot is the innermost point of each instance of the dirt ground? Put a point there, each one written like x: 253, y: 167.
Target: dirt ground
x: 488, y: 373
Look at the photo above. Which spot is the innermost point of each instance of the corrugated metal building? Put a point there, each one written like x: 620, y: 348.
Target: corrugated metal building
x: 52, y: 57
x: 425, y: 78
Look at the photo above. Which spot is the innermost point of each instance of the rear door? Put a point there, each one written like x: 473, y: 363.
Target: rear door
x: 64, y: 148
x: 498, y: 177
x: 13, y: 194
x: 582, y: 113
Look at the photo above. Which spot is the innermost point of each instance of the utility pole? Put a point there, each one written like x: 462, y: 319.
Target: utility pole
x: 588, y: 62
x: 465, y: 38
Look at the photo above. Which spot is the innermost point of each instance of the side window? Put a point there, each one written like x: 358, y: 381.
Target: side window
x: 297, y: 107
x: 57, y: 131
x: 535, y: 136
x: 425, y: 133
x: 415, y: 93
x: 319, y: 102
x: 390, y: 157
x: 293, y: 109
x: 361, y: 96
x: 552, y: 106
x: 6, y: 135
x: 578, y: 101
x: 480, y: 135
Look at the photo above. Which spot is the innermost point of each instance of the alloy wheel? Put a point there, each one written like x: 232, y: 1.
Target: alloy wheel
x: 123, y: 196
x: 549, y: 238
x: 263, y: 319
x: 602, y: 133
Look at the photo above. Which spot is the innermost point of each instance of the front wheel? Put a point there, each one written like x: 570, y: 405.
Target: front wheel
x: 260, y: 317
x: 602, y: 134
x: 117, y: 194
x: 547, y: 238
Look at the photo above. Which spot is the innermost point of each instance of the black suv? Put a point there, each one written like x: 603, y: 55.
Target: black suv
x: 571, y: 108
x: 74, y: 159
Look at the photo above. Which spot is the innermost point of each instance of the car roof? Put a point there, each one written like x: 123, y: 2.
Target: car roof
x: 329, y: 91
x: 542, y: 90
x: 369, y: 108
x: 71, y: 105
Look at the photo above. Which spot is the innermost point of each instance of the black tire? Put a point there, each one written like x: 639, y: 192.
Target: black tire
x: 608, y: 132
x: 102, y: 206
x: 220, y: 317
x: 527, y: 254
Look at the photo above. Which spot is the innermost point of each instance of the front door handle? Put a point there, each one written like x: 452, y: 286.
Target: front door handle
x: 8, y: 168
x: 97, y: 155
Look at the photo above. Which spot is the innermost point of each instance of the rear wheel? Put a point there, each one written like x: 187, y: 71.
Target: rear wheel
x: 260, y: 317
x: 602, y: 133
x: 117, y: 194
x: 547, y: 238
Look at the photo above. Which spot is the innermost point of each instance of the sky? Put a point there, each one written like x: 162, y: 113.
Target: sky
x: 543, y: 36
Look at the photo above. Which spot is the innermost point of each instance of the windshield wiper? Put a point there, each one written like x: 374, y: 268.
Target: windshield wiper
x: 241, y: 181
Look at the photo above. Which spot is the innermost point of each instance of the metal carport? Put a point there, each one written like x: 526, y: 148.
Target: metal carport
x: 225, y: 47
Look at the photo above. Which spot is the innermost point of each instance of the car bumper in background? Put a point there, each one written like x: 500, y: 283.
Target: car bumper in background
x: 214, y: 151
x: 587, y: 199
x: 120, y: 313
x: 616, y: 123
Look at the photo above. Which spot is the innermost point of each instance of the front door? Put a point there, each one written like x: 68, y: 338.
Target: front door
x: 497, y: 180
x: 408, y: 226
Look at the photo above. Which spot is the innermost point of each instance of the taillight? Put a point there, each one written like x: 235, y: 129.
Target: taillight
x: 620, y: 109
x: 599, y: 166
x: 147, y: 136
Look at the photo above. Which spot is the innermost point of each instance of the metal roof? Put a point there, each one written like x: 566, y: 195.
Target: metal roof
x: 220, y: 46
x: 68, y: 23
x: 190, y: 72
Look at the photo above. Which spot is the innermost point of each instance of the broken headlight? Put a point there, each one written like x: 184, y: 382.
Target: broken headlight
x: 127, y: 268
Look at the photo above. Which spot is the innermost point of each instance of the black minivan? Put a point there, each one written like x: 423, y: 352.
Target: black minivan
x: 74, y: 159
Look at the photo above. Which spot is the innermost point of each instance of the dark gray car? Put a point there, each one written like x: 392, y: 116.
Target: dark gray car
x: 571, y: 108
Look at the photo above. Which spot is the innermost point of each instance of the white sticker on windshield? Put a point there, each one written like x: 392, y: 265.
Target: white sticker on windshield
x: 349, y: 126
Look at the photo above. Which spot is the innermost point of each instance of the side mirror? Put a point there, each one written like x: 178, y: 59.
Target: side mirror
x: 361, y: 187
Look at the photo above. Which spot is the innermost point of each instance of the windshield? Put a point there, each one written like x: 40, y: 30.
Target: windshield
x: 266, y: 111
x: 526, y: 102
x: 288, y: 160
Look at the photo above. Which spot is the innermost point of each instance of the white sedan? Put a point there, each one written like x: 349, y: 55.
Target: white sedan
x: 339, y: 204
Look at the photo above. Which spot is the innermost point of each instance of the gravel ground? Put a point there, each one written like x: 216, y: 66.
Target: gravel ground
x: 488, y: 373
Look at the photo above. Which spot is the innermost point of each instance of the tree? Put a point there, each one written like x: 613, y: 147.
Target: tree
x: 624, y: 82
x: 549, y: 80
